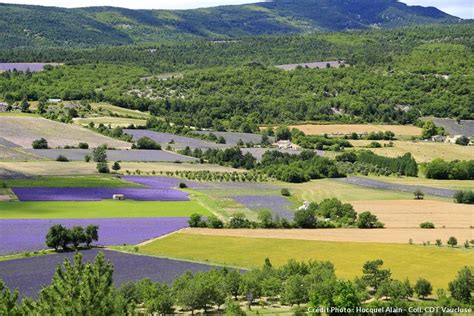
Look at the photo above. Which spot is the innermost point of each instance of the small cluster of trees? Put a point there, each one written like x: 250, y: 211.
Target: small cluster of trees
x: 464, y: 197
x: 330, y: 213
x: 232, y: 157
x: 312, y: 283
x: 146, y: 143
x: 40, y: 144
x: 453, y: 170
x: 99, y: 155
x: 403, y: 165
x: 59, y: 236
x: 114, y: 132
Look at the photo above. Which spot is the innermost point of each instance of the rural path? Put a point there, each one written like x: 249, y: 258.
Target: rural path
x: 377, y: 184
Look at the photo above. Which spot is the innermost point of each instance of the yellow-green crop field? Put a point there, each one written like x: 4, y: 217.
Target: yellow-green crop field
x: 439, y: 265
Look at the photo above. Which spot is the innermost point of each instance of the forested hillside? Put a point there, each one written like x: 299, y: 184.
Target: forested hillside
x: 35, y: 26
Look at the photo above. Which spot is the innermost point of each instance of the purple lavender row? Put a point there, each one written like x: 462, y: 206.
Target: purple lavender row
x: 21, y: 235
x: 98, y: 194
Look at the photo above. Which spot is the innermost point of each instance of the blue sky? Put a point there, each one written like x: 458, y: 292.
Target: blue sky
x: 461, y: 8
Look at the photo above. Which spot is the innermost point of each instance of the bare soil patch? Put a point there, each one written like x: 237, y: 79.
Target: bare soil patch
x: 411, y: 213
x: 387, y: 235
x: 344, y: 129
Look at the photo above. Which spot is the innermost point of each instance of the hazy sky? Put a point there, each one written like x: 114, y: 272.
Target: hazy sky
x: 461, y: 8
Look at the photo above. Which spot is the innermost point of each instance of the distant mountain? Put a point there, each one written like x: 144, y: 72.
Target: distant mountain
x: 30, y: 26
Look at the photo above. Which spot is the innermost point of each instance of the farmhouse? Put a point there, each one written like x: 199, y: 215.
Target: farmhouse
x: 452, y: 139
x: 285, y: 144
x: 118, y: 197
x: 438, y: 138
x: 3, y: 107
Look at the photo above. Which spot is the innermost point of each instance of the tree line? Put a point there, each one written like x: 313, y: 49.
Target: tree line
x: 300, y: 285
x: 59, y: 236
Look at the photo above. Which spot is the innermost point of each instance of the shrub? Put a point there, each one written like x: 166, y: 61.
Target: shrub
x: 83, y: 145
x: 368, y: 220
x: 147, y: 143
x: 102, y: 167
x: 452, y: 241
x: 465, y: 197
x: 427, y: 225
x: 419, y: 195
x: 285, y: 192
x: 87, y: 158
x: 40, y: 144
x: 195, y: 220
x: 62, y: 158
x: 183, y: 185
x: 463, y: 141
x: 116, y: 166
x: 214, y: 222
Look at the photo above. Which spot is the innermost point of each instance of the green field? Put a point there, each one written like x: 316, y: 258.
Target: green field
x: 318, y: 190
x: 439, y: 265
x: 447, y: 184
x: 72, y: 182
x: 99, y: 209
x: 17, y: 114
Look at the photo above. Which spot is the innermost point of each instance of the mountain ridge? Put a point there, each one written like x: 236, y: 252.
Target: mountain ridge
x: 31, y: 25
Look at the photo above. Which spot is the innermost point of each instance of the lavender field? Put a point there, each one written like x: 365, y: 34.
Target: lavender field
x: 278, y: 205
x: 163, y: 182
x: 98, y: 194
x: 114, y: 155
x: 180, y: 142
x: 32, y: 67
x: 30, y: 274
x: 22, y: 235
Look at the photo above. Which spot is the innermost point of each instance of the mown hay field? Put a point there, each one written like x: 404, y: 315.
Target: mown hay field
x: 99, y: 209
x: 439, y: 265
x: 110, y: 120
x: 24, y: 130
x: 345, y: 129
x: 411, y: 213
x: 446, y: 184
x: 422, y: 151
x: 318, y: 190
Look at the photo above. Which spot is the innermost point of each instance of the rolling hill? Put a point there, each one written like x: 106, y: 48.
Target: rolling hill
x: 34, y: 26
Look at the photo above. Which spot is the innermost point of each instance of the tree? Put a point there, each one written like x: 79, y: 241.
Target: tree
x: 294, y: 290
x: 305, y: 218
x: 368, y: 220
x: 57, y: 236
x: 239, y: 220
x: 345, y: 296
x: 40, y: 144
x: 232, y: 280
x: 373, y: 275
x: 90, y: 285
x: 462, y: 287
x: 102, y: 167
x: 62, y: 158
x: 233, y: 308
x: 116, y: 166
x: 99, y: 154
x: 214, y: 222
x: 423, y: 288
x: 195, y: 220
x: 266, y: 219
x: 24, y: 106
x: 419, y: 195
x: 452, y: 241
x: 160, y: 300
x: 463, y: 141
x: 77, y: 236
x: 91, y: 234
x: 429, y: 129
x: 221, y: 140
x: 251, y: 286
x: 283, y: 133
x: 8, y: 301
x: 83, y: 145
x: 147, y: 143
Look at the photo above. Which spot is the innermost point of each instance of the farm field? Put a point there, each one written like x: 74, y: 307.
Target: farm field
x: 110, y: 120
x: 72, y: 182
x: 422, y: 151
x: 30, y: 274
x: 119, y: 111
x: 344, y: 129
x: 377, y: 184
x: 72, y: 168
x: 117, y: 155
x: 466, y: 127
x: 17, y: 154
x: 24, y: 235
x: 353, y: 235
x: 232, y: 138
x: 98, y: 209
x: 405, y: 261
x: 318, y: 190
x: 411, y: 213
x: 24, y: 130
x: 447, y: 184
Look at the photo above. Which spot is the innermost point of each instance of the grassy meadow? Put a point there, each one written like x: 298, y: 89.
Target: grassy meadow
x: 98, y: 209
x: 439, y: 265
